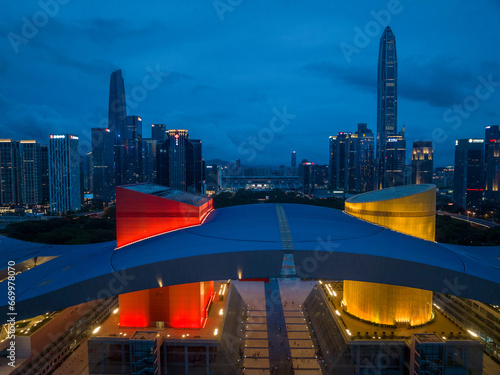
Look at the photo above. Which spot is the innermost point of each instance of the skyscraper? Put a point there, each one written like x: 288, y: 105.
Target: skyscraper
x: 132, y: 151
x: 180, y: 162
x: 340, y: 161
x: 30, y: 169
x: 294, y: 160
x: 102, y: 164
x: 159, y: 132
x: 364, y: 153
x: 468, y: 184
x: 395, y: 159
x: 64, y: 173
x: 351, y: 164
x: 10, y: 187
x: 117, y: 122
x: 387, y: 97
x: 492, y: 161
x: 44, y: 165
x: 149, y: 149
x: 422, y: 166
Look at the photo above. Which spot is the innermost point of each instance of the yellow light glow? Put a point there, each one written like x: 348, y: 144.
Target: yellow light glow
x: 221, y: 312
x: 115, y: 311
x: 472, y: 333
x: 414, y: 215
x: 216, y: 332
x: 96, y: 330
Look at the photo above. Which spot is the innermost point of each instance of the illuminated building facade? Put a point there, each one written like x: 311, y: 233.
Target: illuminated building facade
x: 64, y: 173
x: 102, y: 164
x: 468, y: 184
x: 422, y: 163
x: 44, y: 166
x: 145, y: 210
x: 410, y: 210
x: 180, y: 162
x: 294, y: 160
x: 341, y: 161
x: 387, y: 100
x: 30, y: 172
x: 351, y: 160
x: 10, y: 192
x: 492, y: 161
x: 364, y: 153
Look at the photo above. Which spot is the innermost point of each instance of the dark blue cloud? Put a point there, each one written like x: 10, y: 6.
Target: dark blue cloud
x: 227, y: 75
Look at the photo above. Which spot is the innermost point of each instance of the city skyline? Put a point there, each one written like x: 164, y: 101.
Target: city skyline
x: 319, y: 69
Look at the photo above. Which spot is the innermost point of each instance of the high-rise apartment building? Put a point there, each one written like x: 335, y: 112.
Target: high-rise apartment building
x: 102, y: 164
x: 492, y: 161
x: 351, y: 160
x: 44, y: 174
x: 387, y: 98
x: 10, y: 187
x: 294, y: 160
x: 468, y: 184
x: 64, y: 173
x: 180, y: 162
x: 30, y: 170
x: 364, y: 153
x: 117, y: 123
x: 422, y: 165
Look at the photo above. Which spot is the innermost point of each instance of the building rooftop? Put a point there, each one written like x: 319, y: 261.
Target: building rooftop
x: 145, y: 335
x: 165, y: 192
x: 428, y: 338
x: 391, y: 193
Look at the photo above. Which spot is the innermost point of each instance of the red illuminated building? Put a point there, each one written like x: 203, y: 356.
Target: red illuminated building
x: 146, y: 210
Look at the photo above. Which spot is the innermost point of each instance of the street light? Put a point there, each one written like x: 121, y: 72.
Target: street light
x: 468, y: 219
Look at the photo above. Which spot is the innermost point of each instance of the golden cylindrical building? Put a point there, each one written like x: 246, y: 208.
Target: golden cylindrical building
x: 407, y: 209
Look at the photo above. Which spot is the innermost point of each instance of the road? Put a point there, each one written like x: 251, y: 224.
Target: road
x: 484, y: 223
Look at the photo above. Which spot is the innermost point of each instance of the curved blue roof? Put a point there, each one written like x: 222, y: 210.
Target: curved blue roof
x: 246, y: 241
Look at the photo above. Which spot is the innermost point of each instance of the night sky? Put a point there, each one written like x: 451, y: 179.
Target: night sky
x: 229, y: 69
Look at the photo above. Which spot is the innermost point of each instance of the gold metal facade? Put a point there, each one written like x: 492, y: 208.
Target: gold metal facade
x: 414, y: 215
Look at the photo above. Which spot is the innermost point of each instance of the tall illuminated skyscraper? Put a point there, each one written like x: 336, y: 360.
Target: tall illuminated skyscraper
x: 30, y: 172
x: 117, y: 123
x: 10, y: 187
x: 64, y: 173
x: 102, y: 164
x: 492, y: 161
x: 294, y: 160
x: 180, y: 162
x: 468, y: 184
x: 387, y: 99
x: 422, y: 166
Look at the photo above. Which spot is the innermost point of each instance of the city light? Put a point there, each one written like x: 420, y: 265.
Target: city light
x: 96, y: 330
x: 216, y: 332
x: 115, y: 311
x: 472, y: 333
